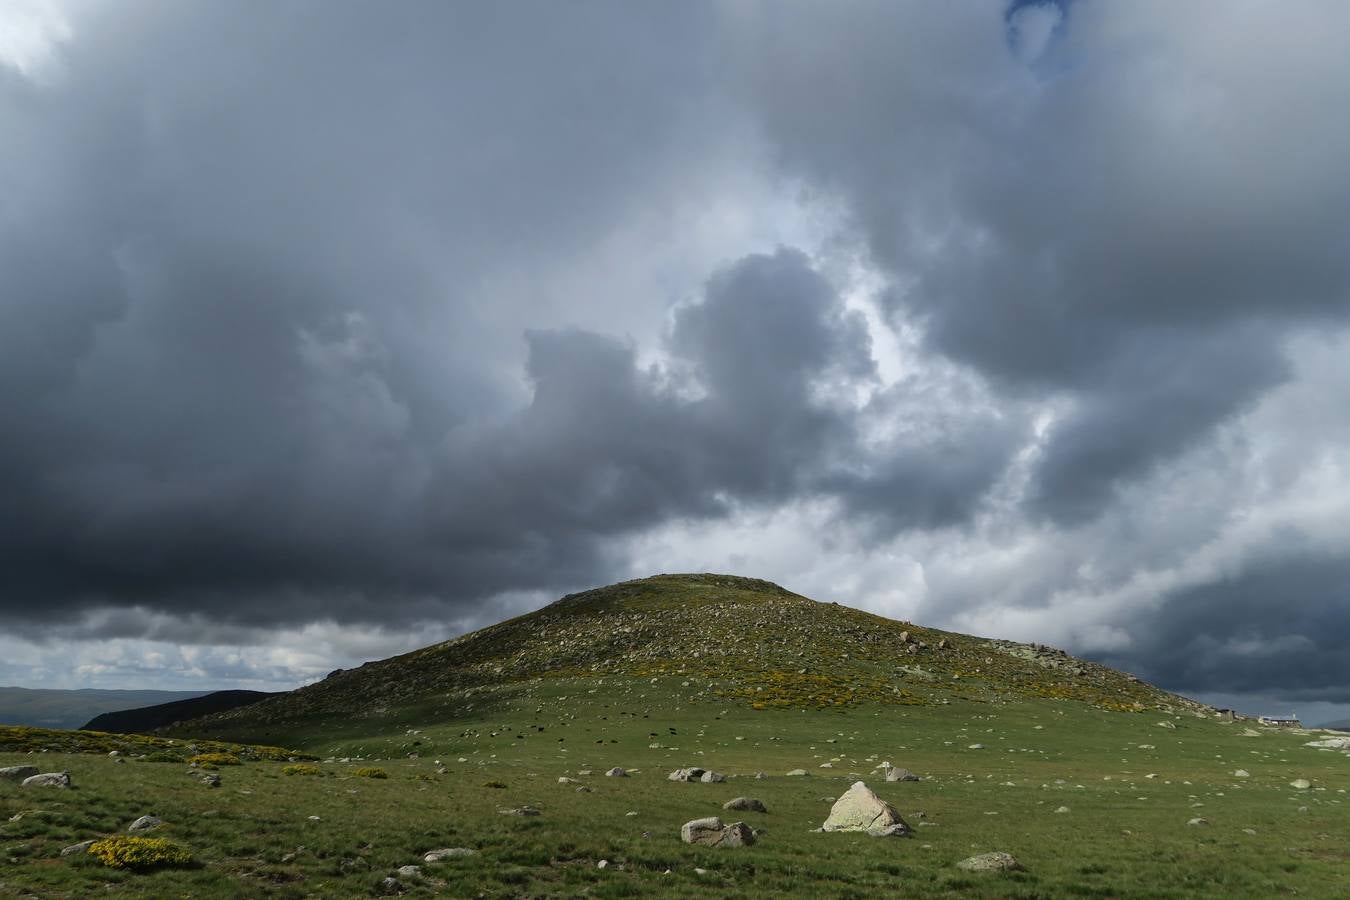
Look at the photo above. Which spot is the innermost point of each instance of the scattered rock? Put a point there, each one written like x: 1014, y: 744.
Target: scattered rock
x: 745, y: 804
x: 1062, y: 809
x: 210, y: 779
x: 602, y: 864
x: 975, y: 747
x: 900, y: 775
x: 1336, y: 743
x: 686, y: 774
x: 391, y: 885
x: 797, y: 773
x: 410, y: 871
x: 991, y: 862
x: 1298, y: 784
x: 861, y: 810
x: 1242, y: 773
x: 18, y: 773
x: 448, y: 853
x: 73, y: 849
x: 47, y: 779
x: 711, y: 832
x: 565, y: 780
x: 616, y: 772
x: 354, y: 864
x: 1198, y: 821
x: 145, y: 823
x: 519, y: 811
x: 711, y: 777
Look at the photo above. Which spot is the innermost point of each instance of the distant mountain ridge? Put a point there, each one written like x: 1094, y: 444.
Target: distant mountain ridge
x: 56, y: 708
x: 1342, y: 725
x: 149, y: 718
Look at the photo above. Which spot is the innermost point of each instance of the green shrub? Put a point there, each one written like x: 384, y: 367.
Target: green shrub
x: 213, y: 760
x: 494, y: 784
x: 371, y: 772
x: 302, y: 769
x: 126, y: 852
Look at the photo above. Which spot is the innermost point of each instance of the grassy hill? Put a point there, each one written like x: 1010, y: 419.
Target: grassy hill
x: 1087, y: 776
x: 50, y: 708
x: 741, y: 640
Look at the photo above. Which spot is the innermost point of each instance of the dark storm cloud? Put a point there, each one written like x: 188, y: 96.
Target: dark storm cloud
x: 1118, y: 220
x: 1279, y: 628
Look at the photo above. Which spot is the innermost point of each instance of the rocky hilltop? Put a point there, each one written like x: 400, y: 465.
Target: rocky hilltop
x: 743, y: 639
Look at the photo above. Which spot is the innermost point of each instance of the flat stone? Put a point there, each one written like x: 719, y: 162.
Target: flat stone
x: 991, y: 862
x: 18, y: 773
x: 448, y: 853
x: 746, y: 804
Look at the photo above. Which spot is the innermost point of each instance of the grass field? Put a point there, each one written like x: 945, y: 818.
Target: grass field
x: 1130, y: 786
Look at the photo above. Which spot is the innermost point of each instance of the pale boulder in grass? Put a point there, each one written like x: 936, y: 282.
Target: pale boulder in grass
x: 18, y: 773
x: 990, y: 862
x: 48, y: 779
x: 710, y: 832
x: 859, y: 809
x: 432, y: 856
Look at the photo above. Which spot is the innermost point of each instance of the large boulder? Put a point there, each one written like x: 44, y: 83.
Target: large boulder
x: 18, y: 773
x: 710, y: 832
x: 990, y: 862
x: 48, y: 779
x: 861, y: 810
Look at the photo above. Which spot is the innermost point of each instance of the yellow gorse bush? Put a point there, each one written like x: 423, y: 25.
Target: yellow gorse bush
x: 371, y: 772
x: 213, y: 760
x: 302, y: 769
x: 126, y: 852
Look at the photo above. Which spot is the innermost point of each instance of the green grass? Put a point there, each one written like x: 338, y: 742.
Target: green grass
x: 726, y: 673
x: 1125, y: 835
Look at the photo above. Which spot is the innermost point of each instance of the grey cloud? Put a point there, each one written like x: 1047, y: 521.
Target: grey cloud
x: 1140, y: 191
x: 1276, y: 628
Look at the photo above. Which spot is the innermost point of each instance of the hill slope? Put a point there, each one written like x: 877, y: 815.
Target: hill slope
x: 50, y: 708
x: 742, y: 639
x: 148, y: 718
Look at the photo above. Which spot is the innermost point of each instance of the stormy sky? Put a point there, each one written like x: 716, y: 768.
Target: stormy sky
x: 329, y: 328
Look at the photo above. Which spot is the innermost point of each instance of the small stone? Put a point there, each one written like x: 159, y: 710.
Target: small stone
x: 519, y: 811
x: 975, y: 747
x: 1062, y: 809
x: 602, y: 864
x: 797, y: 773
x: 900, y: 775
x: 18, y: 773
x: 409, y: 871
x: 1300, y: 784
x: 745, y: 804
x: 145, y: 823
x: 448, y: 853
x: 73, y: 849
x: 391, y: 885
x: 1242, y: 773
x: 1198, y: 821
x: 991, y: 862
x: 712, y: 833
x: 711, y: 777
x: 616, y: 772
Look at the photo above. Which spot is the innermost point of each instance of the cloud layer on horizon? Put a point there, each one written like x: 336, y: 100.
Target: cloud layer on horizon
x: 1029, y: 321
